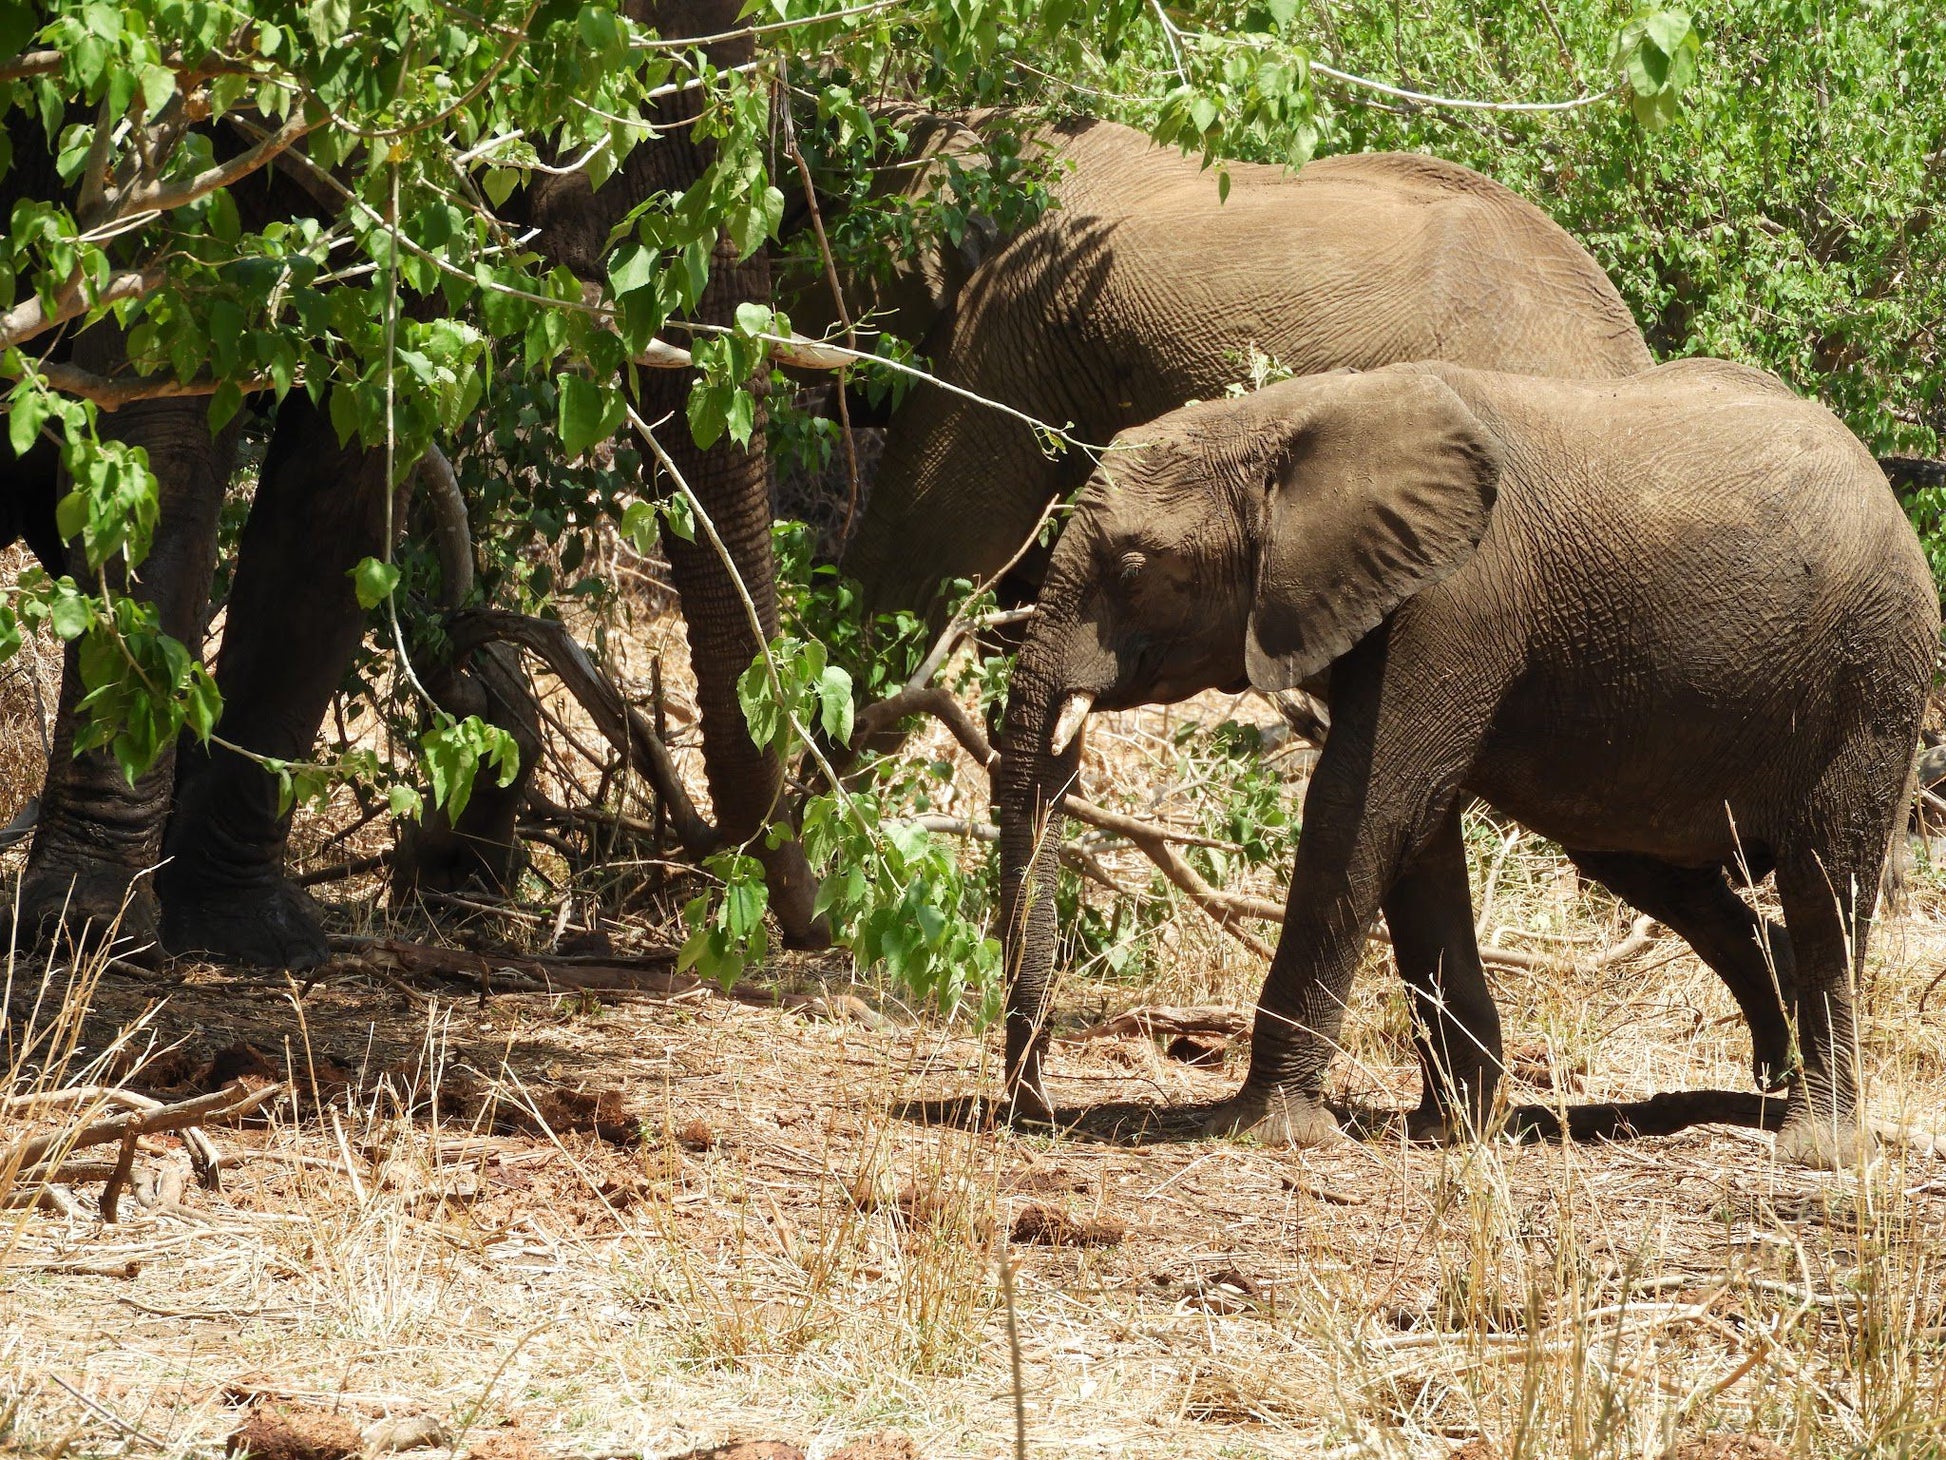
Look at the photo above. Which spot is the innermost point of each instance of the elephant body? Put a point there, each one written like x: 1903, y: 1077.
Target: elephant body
x: 1141, y: 290
x: 1676, y: 622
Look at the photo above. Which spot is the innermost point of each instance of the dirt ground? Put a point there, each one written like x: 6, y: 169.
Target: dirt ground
x: 639, y: 1226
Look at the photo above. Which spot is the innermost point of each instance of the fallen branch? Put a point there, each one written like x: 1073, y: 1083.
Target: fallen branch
x: 1641, y: 935
x: 620, y: 723
x: 228, y: 1103
x: 1226, y: 909
x: 344, y: 871
x: 1158, y: 1019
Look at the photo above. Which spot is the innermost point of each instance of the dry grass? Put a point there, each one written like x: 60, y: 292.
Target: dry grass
x: 637, y: 1226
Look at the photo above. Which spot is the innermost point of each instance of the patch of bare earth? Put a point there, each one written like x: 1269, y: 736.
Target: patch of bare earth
x: 532, y: 1225
x: 646, y: 1226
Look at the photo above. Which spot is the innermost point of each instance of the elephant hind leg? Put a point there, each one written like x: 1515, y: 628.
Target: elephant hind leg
x: 1752, y: 955
x: 1829, y: 867
x: 1456, y: 1026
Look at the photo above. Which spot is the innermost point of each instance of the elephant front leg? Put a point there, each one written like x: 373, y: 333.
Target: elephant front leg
x: 1347, y: 856
x: 1456, y: 1028
x: 292, y: 630
x: 98, y: 836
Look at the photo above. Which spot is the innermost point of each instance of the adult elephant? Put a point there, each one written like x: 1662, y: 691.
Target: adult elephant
x: 320, y: 508
x: 1677, y: 623
x: 1142, y: 288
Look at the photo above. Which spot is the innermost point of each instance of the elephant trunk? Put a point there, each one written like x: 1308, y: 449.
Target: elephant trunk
x: 1040, y: 756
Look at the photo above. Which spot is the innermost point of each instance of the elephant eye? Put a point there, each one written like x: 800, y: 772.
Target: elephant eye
x: 1132, y: 563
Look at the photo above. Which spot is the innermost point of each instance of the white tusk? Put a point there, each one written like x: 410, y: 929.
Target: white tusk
x: 1074, y: 709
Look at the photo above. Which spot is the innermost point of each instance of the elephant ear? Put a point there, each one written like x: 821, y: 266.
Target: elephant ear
x: 1382, y: 486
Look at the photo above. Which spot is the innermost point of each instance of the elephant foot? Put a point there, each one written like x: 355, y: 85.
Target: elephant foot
x: 274, y: 924
x: 85, y: 911
x: 1771, y: 1058
x: 1028, y: 1105
x: 1823, y: 1143
x: 1430, y: 1126
x: 1274, y: 1118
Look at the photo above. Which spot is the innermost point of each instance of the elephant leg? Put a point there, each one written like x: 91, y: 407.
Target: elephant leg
x: 1456, y: 1026
x: 1383, y: 788
x: 1827, y: 906
x: 292, y: 628
x: 1828, y: 874
x: 98, y: 835
x: 32, y: 487
x: 1752, y: 955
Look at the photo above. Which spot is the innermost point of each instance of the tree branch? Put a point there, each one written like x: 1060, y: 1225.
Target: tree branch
x: 28, y: 319
x: 620, y: 723
x: 30, y: 63
x: 161, y: 197
x: 111, y: 392
x: 1227, y: 909
x: 452, y: 534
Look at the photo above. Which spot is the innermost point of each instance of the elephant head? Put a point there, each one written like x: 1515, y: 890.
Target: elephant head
x: 1228, y: 544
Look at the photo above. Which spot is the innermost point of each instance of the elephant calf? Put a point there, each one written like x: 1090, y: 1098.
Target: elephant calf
x: 1676, y: 622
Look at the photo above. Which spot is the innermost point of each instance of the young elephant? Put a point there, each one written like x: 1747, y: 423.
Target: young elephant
x: 1676, y: 622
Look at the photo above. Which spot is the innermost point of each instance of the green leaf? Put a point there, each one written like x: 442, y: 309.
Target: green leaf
x: 680, y: 517
x: 405, y: 803
x: 752, y: 319
x: 589, y: 414
x: 24, y: 419
x: 330, y: 19
x: 19, y: 20
x: 202, y: 704
x: 373, y: 581
x: 70, y: 614
x: 835, y: 704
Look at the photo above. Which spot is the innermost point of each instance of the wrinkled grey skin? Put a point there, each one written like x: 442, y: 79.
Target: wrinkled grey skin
x: 1676, y: 623
x: 1141, y: 290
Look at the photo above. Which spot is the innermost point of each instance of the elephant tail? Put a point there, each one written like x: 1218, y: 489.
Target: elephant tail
x: 1908, y: 474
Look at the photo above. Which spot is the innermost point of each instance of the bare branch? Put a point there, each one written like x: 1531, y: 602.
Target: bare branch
x: 225, y: 1104
x: 620, y: 723
x: 1460, y: 103
x: 111, y: 392
x: 161, y: 196
x: 1158, y: 843
x: 685, y: 43
x: 30, y: 63
x: 28, y: 319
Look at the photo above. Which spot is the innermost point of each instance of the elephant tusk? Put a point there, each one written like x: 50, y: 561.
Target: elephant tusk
x: 1074, y: 709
